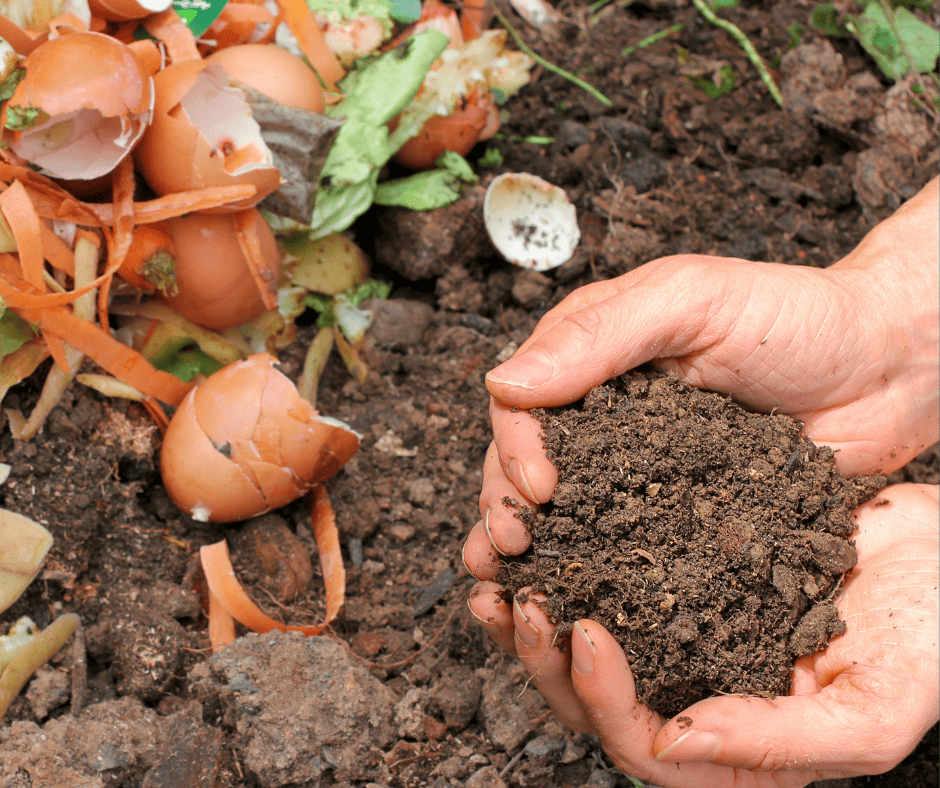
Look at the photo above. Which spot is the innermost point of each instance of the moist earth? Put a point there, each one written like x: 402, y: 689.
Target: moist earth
x: 406, y: 691
x: 708, y: 540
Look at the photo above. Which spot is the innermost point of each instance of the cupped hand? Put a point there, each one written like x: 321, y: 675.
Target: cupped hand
x: 851, y: 351
x: 858, y: 707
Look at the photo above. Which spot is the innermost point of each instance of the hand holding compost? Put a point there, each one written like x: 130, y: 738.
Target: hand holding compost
x: 776, y: 338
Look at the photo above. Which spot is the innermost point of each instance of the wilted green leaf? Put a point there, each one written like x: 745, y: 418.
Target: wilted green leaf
x: 22, y: 118
x: 374, y: 95
x: 425, y: 191
x: 14, y: 332
x: 715, y: 90
x: 9, y: 84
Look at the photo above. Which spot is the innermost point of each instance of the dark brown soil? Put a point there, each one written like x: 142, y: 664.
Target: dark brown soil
x: 407, y: 692
x: 710, y: 541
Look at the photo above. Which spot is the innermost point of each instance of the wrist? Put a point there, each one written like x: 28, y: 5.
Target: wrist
x: 895, y: 276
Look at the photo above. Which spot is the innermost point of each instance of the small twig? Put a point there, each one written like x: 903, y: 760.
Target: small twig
x: 550, y: 66
x: 735, y: 32
x: 79, y: 672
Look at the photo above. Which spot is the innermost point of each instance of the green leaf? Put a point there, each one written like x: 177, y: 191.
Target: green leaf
x: 191, y: 361
x: 9, y: 84
x: 876, y: 33
x: 795, y: 31
x: 371, y: 288
x: 405, y: 10
x: 343, y: 310
x: 492, y: 157
x: 825, y: 19
x: 14, y: 332
x: 425, y: 191
x: 710, y: 88
x: 342, y: 11
x: 22, y: 118
x: 374, y: 95
x: 718, y: 4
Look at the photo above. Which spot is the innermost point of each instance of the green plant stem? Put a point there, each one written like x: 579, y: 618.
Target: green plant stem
x: 735, y: 32
x: 550, y: 66
x: 652, y: 39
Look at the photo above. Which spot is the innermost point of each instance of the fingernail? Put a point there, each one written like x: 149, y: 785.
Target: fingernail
x: 473, y: 613
x: 463, y: 557
x: 516, y: 474
x: 486, y: 529
x: 584, y: 657
x: 528, y: 633
x: 692, y: 746
x: 526, y: 372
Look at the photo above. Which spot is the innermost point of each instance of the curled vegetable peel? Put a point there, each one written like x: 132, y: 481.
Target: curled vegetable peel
x: 244, y: 442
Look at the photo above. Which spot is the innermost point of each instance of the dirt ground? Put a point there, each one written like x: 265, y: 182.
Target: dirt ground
x: 407, y: 692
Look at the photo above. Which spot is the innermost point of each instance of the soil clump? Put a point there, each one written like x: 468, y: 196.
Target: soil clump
x: 710, y: 541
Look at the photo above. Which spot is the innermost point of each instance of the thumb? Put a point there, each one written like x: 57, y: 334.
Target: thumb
x: 662, y: 309
x: 858, y: 725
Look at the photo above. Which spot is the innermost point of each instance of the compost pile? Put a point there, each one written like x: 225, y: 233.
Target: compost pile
x: 405, y: 690
x: 710, y: 541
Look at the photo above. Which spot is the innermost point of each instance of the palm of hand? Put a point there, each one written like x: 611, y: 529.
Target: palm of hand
x: 856, y: 708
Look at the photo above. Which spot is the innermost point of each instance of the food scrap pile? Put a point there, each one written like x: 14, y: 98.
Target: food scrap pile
x: 162, y: 215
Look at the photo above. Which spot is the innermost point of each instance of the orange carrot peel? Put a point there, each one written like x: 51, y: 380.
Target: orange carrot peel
x: 228, y: 599
x: 311, y: 42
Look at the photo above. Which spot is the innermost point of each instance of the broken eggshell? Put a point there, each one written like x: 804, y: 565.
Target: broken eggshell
x: 531, y: 222
x: 203, y: 134
x: 244, y: 442
x: 83, y: 104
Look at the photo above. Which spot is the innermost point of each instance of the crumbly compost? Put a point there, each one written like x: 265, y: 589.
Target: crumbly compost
x: 710, y: 541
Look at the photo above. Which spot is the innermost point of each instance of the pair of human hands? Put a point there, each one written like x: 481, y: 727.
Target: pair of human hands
x: 851, y: 351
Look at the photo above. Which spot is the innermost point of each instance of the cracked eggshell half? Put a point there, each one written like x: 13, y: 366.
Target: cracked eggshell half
x: 95, y: 99
x: 244, y: 442
x: 531, y: 222
x: 203, y: 134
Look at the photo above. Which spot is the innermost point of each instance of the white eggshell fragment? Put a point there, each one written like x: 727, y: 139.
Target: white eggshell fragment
x: 530, y: 221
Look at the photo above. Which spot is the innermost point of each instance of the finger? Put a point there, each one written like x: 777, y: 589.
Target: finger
x: 852, y: 727
x: 664, y: 310
x: 479, y: 555
x: 548, y: 666
x: 521, y: 453
x: 604, y: 684
x: 493, y: 613
x: 506, y: 531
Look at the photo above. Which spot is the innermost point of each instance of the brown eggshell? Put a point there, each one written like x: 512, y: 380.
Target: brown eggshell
x: 215, y: 286
x: 124, y: 10
x: 249, y: 378
x: 96, y: 97
x: 249, y: 417
x: 85, y: 70
x: 174, y: 156
x: 273, y: 71
x: 458, y: 132
x: 199, y: 478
